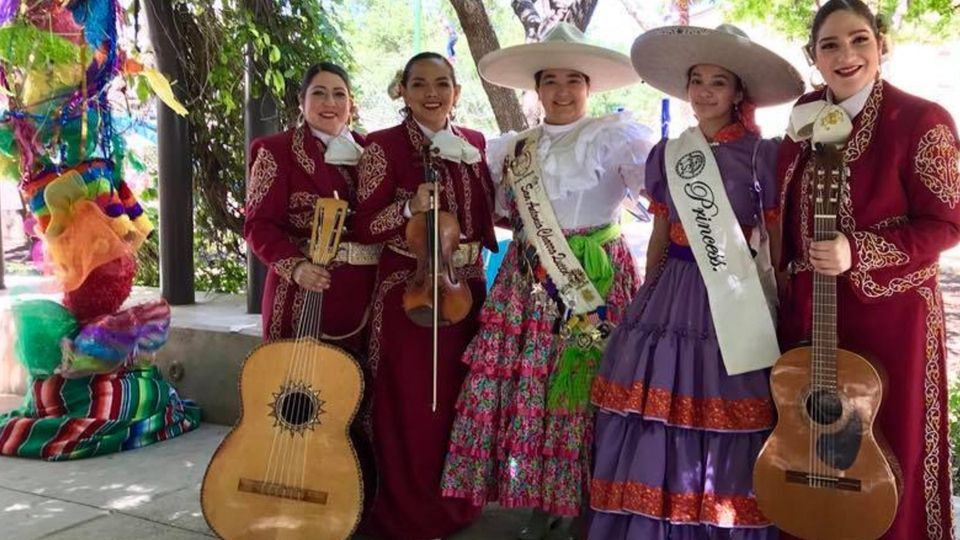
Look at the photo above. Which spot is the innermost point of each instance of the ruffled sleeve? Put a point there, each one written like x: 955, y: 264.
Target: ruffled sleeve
x: 622, y: 147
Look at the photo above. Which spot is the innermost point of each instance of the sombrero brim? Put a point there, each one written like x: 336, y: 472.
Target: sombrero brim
x: 663, y: 56
x: 515, y: 67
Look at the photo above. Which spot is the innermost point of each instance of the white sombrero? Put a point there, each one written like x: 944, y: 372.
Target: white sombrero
x: 564, y: 47
x: 663, y: 56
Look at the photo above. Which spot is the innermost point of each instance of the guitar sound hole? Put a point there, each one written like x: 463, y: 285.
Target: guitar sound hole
x: 824, y: 407
x: 297, y: 408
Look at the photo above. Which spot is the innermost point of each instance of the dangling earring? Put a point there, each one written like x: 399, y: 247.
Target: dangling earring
x: 300, y: 119
x: 814, y: 75
x: 354, y: 117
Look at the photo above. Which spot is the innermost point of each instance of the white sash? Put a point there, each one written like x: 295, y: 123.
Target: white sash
x: 739, y: 309
x: 543, y: 231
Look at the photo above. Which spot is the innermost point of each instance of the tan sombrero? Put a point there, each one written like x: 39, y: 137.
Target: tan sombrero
x: 663, y: 56
x: 564, y: 47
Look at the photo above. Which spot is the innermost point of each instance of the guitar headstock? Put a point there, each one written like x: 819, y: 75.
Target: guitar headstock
x: 329, y: 220
x: 830, y: 171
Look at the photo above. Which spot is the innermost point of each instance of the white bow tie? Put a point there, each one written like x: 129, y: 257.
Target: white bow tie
x: 342, y: 151
x: 453, y: 148
x: 820, y: 121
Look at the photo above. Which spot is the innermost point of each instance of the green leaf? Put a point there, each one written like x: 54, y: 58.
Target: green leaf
x: 274, y: 54
x: 25, y: 45
x: 143, y: 89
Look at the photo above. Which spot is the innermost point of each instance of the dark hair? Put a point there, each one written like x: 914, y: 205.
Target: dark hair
x: 857, y: 7
x: 405, y: 77
x: 539, y: 75
x: 320, y: 67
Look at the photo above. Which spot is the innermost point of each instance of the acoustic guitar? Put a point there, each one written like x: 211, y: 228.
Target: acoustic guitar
x: 288, y: 470
x: 825, y: 473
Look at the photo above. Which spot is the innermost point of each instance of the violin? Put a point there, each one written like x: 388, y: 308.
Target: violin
x: 433, y: 237
x: 434, y: 297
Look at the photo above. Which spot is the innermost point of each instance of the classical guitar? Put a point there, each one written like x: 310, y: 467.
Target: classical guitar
x: 288, y: 470
x: 825, y: 472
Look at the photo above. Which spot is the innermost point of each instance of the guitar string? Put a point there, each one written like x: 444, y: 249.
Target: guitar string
x: 316, y: 358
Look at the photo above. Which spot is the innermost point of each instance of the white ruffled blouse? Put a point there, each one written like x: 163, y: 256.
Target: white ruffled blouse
x: 588, y: 167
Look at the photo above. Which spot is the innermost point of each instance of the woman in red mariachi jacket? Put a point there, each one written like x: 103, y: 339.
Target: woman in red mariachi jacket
x: 290, y: 171
x: 899, y: 209
x: 410, y: 440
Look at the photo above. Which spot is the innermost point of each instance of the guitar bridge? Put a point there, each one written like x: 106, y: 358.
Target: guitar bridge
x: 823, y: 481
x: 272, y: 489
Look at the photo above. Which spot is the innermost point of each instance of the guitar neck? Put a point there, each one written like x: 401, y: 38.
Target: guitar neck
x: 824, y: 368
x: 830, y: 176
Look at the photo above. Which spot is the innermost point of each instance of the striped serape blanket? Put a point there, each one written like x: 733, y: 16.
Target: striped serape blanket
x: 63, y: 419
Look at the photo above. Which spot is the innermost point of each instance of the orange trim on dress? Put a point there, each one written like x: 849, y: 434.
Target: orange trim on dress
x: 710, y: 508
x: 751, y: 414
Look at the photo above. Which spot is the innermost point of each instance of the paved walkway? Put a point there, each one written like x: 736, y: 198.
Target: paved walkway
x: 153, y: 492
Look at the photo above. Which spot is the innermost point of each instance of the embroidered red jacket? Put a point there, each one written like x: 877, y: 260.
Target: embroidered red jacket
x: 287, y: 176
x: 390, y: 172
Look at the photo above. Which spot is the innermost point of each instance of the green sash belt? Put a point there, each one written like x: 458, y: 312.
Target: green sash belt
x: 582, y: 336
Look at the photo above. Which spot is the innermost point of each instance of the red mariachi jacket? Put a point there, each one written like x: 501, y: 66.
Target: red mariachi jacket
x: 287, y: 176
x: 391, y: 170
x: 901, y: 205
x: 900, y: 208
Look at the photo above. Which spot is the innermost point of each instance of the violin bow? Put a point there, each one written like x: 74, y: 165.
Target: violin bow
x: 432, y: 178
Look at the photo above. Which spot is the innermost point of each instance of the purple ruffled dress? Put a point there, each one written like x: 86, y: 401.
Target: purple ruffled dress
x: 676, y: 437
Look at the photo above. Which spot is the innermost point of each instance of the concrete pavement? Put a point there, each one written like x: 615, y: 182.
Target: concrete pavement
x: 153, y: 492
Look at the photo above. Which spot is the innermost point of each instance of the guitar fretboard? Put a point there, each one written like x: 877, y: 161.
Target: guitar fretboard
x: 827, y: 182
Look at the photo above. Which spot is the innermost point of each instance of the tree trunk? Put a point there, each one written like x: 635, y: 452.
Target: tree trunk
x: 482, y: 39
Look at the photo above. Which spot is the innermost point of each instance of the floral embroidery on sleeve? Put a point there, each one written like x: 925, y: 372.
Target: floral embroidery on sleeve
x: 937, y: 164
x: 284, y: 267
x: 262, y: 175
x: 876, y: 252
x: 372, y: 171
x: 388, y: 219
x: 301, y: 154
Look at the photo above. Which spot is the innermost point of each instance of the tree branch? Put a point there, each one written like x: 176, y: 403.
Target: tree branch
x: 482, y: 39
x: 580, y: 12
x: 529, y: 17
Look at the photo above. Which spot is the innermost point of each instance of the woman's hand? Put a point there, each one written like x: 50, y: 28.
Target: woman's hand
x: 311, y: 276
x: 831, y: 257
x: 421, y: 200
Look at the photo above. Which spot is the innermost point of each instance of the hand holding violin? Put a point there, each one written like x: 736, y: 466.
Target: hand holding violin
x: 420, y: 202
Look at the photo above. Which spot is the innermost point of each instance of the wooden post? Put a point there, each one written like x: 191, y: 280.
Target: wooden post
x: 175, y: 186
x: 261, y: 117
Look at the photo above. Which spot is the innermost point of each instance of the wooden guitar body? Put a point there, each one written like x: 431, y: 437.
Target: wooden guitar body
x: 288, y: 470
x: 824, y: 473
